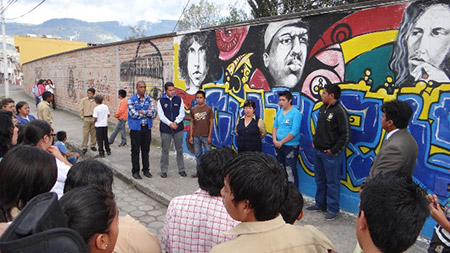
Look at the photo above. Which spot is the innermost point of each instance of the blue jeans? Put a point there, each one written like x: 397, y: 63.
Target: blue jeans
x: 327, y: 174
x: 198, y: 142
x: 287, y: 156
x: 72, y: 159
x: 120, y: 126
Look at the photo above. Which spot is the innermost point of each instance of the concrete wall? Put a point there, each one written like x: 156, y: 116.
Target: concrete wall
x: 364, y: 48
x: 31, y: 48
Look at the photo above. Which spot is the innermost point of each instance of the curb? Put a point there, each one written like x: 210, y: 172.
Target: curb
x: 150, y: 191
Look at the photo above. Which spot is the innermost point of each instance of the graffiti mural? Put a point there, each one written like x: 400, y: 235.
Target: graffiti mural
x: 378, y: 54
x: 147, y: 65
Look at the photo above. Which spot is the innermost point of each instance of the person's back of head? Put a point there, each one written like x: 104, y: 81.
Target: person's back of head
x: 25, y: 172
x: 61, y: 135
x: 98, y: 99
x: 398, y: 111
x: 92, y: 212
x: 34, y: 131
x: 89, y: 172
x: 210, y: 170
x: 393, y: 210
x: 122, y: 93
x: 258, y: 181
x: 292, y: 208
x: 6, y: 132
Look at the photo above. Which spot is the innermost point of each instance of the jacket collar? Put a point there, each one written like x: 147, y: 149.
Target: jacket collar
x: 256, y: 226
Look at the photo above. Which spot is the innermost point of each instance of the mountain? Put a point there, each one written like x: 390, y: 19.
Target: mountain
x: 92, y: 32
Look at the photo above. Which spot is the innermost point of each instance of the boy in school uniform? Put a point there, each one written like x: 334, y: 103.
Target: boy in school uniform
x: 101, y: 114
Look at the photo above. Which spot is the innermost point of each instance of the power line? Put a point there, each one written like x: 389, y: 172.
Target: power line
x: 28, y: 11
x: 180, y: 16
x: 7, y: 5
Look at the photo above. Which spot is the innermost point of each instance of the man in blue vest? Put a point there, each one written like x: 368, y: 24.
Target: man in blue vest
x: 140, y: 113
x: 171, y: 115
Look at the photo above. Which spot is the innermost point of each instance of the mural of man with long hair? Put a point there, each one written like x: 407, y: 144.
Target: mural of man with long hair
x: 422, y: 49
x: 197, y: 53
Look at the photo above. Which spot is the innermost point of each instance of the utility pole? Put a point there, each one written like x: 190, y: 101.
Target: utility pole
x: 5, y: 62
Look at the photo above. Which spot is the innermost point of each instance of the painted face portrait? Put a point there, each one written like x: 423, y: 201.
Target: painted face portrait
x: 429, y: 44
x: 196, y: 66
x: 286, y: 52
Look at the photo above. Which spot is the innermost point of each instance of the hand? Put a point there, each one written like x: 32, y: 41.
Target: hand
x: 141, y: 112
x: 427, y: 72
x: 277, y: 144
x: 209, y: 140
x: 77, y: 155
x: 173, y: 125
x: 3, y: 227
x: 191, y: 140
x: 313, y: 144
x: 55, y: 152
x: 328, y: 152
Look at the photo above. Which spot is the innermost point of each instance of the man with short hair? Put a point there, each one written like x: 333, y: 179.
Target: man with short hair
x: 201, y: 126
x: 286, y: 135
x: 399, y: 149
x: 140, y: 121
x: 171, y: 115
x: 87, y: 106
x: 392, y: 213
x: 195, y: 222
x: 285, y: 52
x: 331, y: 138
x: 253, y: 193
x: 44, y: 111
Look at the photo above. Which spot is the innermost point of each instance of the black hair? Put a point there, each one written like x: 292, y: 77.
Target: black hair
x: 25, y: 172
x: 46, y: 94
x: 293, y: 205
x: 7, y: 101
x: 250, y: 102
x: 398, y: 111
x: 201, y: 92
x: 91, y: 90
x: 395, y: 210
x: 210, y: 171
x: 167, y: 85
x: 287, y: 94
x: 89, y: 210
x: 98, y: 99
x: 41, y: 81
x: 61, y: 135
x: 19, y: 105
x: 333, y: 88
x: 261, y: 180
x: 89, y: 172
x: 122, y: 93
x: 48, y: 80
x: 6, y: 131
x: 35, y: 130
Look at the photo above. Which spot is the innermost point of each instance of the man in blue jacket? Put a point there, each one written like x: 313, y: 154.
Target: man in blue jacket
x: 140, y: 113
x: 171, y: 115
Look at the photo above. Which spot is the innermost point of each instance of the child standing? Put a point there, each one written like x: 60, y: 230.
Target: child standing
x: 101, y: 114
x: 61, y: 136
x: 122, y: 117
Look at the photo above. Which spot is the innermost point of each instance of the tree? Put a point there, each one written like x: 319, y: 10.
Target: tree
x: 236, y: 14
x: 137, y: 31
x: 199, y: 16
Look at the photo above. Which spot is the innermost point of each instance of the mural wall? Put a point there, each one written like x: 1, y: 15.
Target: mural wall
x: 398, y: 51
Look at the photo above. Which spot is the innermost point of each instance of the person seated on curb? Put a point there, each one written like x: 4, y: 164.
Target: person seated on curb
x: 61, y: 136
x: 195, y: 222
x: 253, y: 193
x: 292, y: 209
x: 133, y: 236
x: 391, y: 214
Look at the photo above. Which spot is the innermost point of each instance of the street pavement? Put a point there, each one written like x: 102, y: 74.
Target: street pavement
x: 147, y: 199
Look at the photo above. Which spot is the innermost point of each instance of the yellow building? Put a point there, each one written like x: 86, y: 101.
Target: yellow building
x: 31, y: 48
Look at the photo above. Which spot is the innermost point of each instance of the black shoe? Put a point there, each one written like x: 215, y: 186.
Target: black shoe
x: 163, y: 175
x: 194, y: 175
x: 315, y: 209
x: 84, y: 151
x: 122, y: 144
x: 137, y: 176
x: 94, y: 149
x: 148, y: 174
x: 108, y: 152
x: 101, y: 155
x: 183, y: 174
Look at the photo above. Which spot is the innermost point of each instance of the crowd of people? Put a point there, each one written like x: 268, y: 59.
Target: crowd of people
x: 246, y: 202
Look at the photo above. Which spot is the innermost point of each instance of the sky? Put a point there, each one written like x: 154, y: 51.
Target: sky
x: 126, y: 12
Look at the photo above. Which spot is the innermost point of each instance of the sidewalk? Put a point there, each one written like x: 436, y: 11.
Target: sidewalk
x: 340, y: 231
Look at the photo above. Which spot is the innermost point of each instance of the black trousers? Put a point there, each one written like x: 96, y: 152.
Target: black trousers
x: 140, y: 141
x: 102, y: 139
